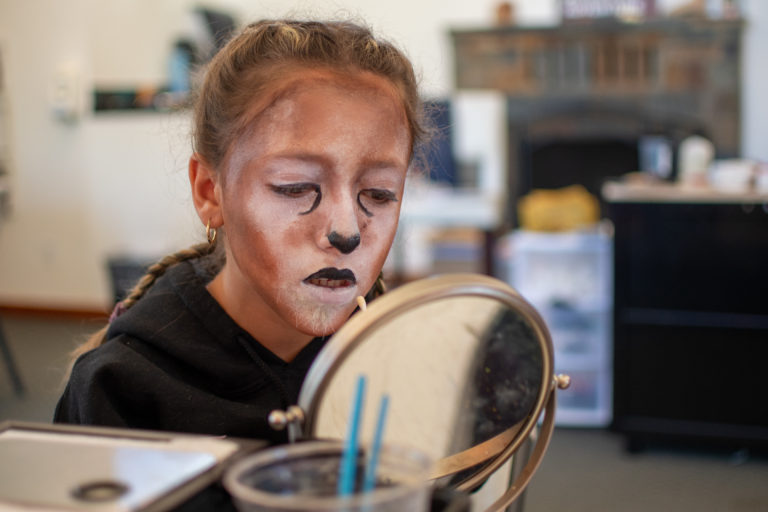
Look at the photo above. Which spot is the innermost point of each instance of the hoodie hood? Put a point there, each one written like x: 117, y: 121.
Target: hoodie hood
x: 183, y: 328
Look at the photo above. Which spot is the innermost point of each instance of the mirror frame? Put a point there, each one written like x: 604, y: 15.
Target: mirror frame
x: 403, y: 299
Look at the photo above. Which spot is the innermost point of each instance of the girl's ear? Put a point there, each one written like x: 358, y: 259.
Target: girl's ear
x: 206, y: 191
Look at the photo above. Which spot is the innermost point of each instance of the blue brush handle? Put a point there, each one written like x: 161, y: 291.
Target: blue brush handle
x: 373, y: 461
x: 346, y: 485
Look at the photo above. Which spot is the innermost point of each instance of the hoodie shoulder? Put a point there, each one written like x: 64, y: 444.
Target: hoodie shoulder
x: 105, y: 388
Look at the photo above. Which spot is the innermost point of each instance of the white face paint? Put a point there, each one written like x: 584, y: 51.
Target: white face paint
x: 311, y: 199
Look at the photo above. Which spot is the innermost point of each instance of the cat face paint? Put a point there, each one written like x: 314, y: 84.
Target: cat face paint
x: 311, y: 199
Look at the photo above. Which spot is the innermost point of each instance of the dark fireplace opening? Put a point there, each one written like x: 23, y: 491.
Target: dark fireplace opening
x: 554, y: 164
x: 563, y: 142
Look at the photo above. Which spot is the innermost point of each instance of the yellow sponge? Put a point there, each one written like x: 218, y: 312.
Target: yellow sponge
x: 561, y: 209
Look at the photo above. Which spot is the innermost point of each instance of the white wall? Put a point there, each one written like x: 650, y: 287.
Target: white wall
x: 115, y: 183
x: 79, y: 191
x: 754, y: 123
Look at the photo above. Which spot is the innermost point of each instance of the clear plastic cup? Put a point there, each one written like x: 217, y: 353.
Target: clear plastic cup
x: 304, y: 476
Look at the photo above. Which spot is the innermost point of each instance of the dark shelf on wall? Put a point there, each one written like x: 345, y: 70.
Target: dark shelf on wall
x: 138, y: 100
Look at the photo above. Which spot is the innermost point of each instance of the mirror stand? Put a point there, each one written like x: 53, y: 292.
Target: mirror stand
x: 522, y: 478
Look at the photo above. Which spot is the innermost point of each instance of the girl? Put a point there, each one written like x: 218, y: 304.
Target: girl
x: 303, y: 134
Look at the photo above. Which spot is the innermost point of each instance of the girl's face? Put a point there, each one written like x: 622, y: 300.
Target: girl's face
x: 311, y: 196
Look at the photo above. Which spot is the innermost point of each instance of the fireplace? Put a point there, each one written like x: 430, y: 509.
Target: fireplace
x: 582, y: 98
x: 557, y: 143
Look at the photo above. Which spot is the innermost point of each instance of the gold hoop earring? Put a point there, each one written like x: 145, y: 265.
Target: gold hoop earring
x: 210, y: 233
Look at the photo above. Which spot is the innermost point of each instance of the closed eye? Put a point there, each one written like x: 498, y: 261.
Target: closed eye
x: 372, y: 197
x: 296, y: 189
x: 380, y: 195
x: 300, y: 191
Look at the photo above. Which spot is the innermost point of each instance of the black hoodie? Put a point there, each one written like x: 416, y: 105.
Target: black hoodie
x: 176, y: 361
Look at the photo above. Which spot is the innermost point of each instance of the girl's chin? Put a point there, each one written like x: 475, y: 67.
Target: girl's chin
x: 330, y: 297
x: 319, y: 312
x: 323, y: 320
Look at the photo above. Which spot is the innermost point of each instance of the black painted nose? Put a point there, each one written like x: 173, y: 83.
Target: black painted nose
x: 344, y: 244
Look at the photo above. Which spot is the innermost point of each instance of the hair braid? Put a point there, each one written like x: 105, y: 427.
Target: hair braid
x: 154, y: 272
x: 379, y: 288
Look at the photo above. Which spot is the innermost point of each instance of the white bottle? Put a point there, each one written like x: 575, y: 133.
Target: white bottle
x: 695, y: 156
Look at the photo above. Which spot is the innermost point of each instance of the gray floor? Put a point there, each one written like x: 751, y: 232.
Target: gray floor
x: 583, y: 470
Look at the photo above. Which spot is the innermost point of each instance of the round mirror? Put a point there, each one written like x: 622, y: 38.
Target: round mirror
x: 465, y: 361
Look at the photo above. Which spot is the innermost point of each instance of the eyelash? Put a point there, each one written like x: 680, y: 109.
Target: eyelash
x: 379, y: 197
x: 298, y: 190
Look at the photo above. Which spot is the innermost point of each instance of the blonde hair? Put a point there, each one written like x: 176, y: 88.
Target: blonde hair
x: 245, y: 67
x: 255, y: 58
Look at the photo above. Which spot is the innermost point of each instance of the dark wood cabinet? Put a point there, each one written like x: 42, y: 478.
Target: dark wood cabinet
x: 690, y: 317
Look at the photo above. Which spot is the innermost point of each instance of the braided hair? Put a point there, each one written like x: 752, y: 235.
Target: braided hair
x: 139, y: 289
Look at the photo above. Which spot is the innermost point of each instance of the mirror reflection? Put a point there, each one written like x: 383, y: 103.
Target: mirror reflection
x: 461, y: 372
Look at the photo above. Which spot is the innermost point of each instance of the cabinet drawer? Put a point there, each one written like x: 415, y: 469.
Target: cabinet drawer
x: 581, y: 339
x: 574, y: 268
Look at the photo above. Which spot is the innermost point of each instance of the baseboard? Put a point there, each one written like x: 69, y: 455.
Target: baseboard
x: 57, y: 311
